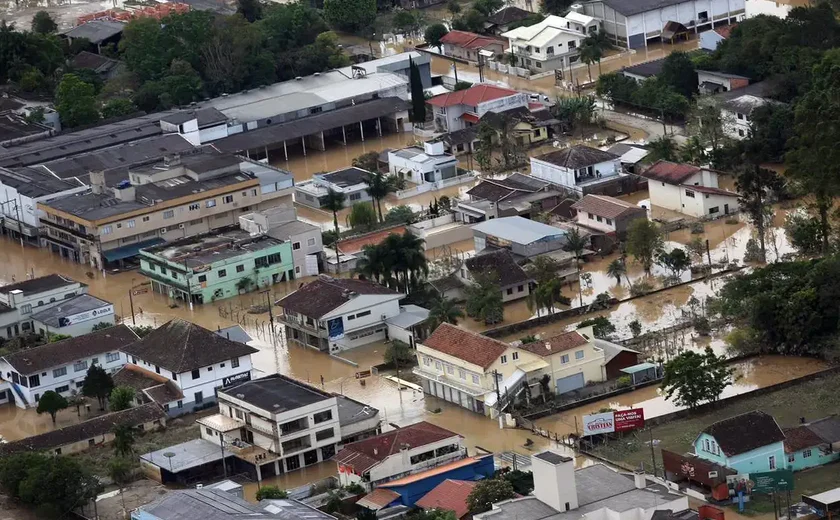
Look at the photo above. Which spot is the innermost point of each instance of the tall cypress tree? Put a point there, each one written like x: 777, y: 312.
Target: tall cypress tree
x: 418, y: 99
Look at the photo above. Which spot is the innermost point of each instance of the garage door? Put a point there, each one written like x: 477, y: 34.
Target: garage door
x: 567, y: 384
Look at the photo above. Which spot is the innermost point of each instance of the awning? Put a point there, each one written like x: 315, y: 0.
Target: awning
x: 120, y: 253
x: 470, y: 118
x: 638, y: 368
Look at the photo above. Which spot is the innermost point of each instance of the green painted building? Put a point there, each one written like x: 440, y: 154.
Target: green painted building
x: 215, y: 266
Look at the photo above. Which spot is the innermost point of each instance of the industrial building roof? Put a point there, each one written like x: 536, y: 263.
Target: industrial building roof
x: 631, y: 7
x: 82, y: 303
x: 96, y: 31
x: 36, y: 183
x: 14, y: 126
x: 208, y: 248
x: 518, y: 230
x: 277, y: 393
x: 205, y: 117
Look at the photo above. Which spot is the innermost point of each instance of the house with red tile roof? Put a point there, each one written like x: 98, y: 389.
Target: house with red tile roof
x: 466, y: 45
x: 464, y: 108
x: 688, y: 189
x: 607, y: 214
x: 449, y: 495
x: 398, y: 453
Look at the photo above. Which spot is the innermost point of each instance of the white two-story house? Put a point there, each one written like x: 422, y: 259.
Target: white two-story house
x: 334, y: 314
x: 193, y: 360
x: 552, y: 44
x: 737, y: 112
x: 688, y: 189
x: 464, y: 108
x: 19, y: 300
x: 61, y: 366
x: 430, y: 164
x: 275, y: 423
x: 579, y: 168
x: 397, y: 453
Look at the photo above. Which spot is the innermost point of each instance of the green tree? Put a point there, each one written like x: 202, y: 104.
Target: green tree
x: 616, y: 87
x: 616, y: 270
x: 42, y: 23
x: 400, y: 215
x: 142, y: 330
x: 555, y: 7
x: 676, y: 261
x: 271, y: 492
x: 756, y: 186
x: 594, y: 47
x: 663, y: 148
x: 379, y: 186
x: 121, y: 398
x: 488, y: 7
x: 543, y: 269
x: 522, y: 481
x: 488, y: 492
x: 601, y: 326
x: 636, y: 328
x: 102, y: 325
x: 350, y: 15
x: 453, y: 7
x: 118, y: 107
x: 472, y: 20
x: 52, y: 486
x: 97, y: 384
x: 434, y: 33
x: 75, y: 102
x: 334, y: 201
x: 678, y: 72
x: 52, y: 403
x: 367, y: 161
x: 120, y: 470
x: 484, y: 300
x: 408, y: 22
x: 693, y: 378
x: 803, y: 231
x: 444, y: 310
x: 362, y: 216
x: 418, y: 99
x: 124, y: 439
x: 644, y: 241
x: 251, y: 10
x: 576, y: 244
x: 399, y: 353
x: 546, y: 294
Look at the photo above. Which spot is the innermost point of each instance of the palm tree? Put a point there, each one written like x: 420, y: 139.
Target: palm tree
x: 589, y: 55
x: 599, y: 43
x: 545, y: 295
x: 444, y: 310
x: 334, y: 201
x: 542, y: 269
x: 411, y: 259
x: 616, y: 269
x: 379, y: 186
x: 664, y: 148
x: 576, y: 243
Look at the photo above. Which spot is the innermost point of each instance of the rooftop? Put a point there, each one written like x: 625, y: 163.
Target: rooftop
x: 154, y: 386
x: 449, y: 495
x: 729, y: 433
x: 552, y: 457
x: 541, y: 33
x: 186, y: 455
x: 631, y: 7
x: 559, y: 343
x: 351, y: 411
x: 646, y: 69
x: 95, y: 62
x: 605, y: 206
x: 204, y: 116
x: 576, y: 157
x: 205, y: 504
x: 325, y: 294
x: 38, y: 359
x: 800, y: 438
x: 508, y: 15
x: 235, y: 333
x: 409, y: 316
x: 419, y: 155
x: 96, y: 31
x: 90, y: 429
x: 181, y: 346
x: 276, y: 393
x: 346, y: 177
x: 469, y: 40
x: 670, y: 172
x: 519, y: 230
x: 14, y: 126
x: 209, y: 248
x: 365, y: 454
x: 828, y: 428
x: 498, y: 262
x: 469, y: 346
x: 628, y: 153
x: 36, y: 183
x: 437, y: 470
x: 49, y: 282
x: 82, y: 303
x: 745, y: 104
x: 472, y: 96
x: 378, y: 499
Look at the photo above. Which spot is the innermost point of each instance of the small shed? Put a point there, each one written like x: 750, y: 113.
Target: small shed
x: 641, y: 372
x: 826, y: 503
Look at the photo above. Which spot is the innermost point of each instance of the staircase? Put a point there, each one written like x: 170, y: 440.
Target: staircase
x: 20, y: 395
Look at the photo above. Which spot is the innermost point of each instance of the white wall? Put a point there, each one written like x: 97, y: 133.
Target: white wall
x: 677, y: 198
x: 565, y: 176
x: 500, y: 105
x: 37, y: 301
x: 735, y: 125
x: 400, y: 462
x: 76, y: 329
x: 595, y: 221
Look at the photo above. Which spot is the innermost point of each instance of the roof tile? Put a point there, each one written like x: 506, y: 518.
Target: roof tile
x: 555, y: 344
x: 745, y: 432
x: 578, y: 156
x: 605, y: 206
x: 670, y: 172
x: 472, y: 96
x: 469, y: 346
x: 325, y: 294
x: 449, y: 495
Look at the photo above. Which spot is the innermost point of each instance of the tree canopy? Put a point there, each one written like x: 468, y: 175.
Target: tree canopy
x: 487, y: 492
x: 693, y: 378
x: 52, y: 403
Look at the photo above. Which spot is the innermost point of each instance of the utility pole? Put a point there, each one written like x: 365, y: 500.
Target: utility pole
x: 399, y: 381
x: 222, y: 447
x: 270, y: 315
x: 652, y: 452
x: 131, y: 302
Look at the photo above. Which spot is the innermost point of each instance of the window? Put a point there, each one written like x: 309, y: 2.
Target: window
x: 426, y: 360
x: 805, y: 453
x: 310, y: 242
x: 450, y: 369
x: 194, y: 207
x: 475, y: 379
x: 162, y: 270
x: 462, y: 373
x: 210, y: 203
x: 323, y: 435
x: 110, y: 357
x: 130, y: 223
x: 515, y: 356
x: 315, y: 110
x: 196, y: 374
x: 564, y: 359
x: 254, y: 192
x: 227, y: 199
x: 772, y: 462
x: 209, y: 431
x: 145, y: 219
x: 579, y: 354
x: 107, y: 230
x: 572, y: 44
x: 180, y: 404
x: 320, y: 417
x: 61, y: 389
x: 591, y: 216
x: 437, y: 364
x: 689, y: 194
x: 362, y: 314
x: 265, y: 261
x: 25, y: 309
x: 791, y: 457
x: 714, y: 210
x: 79, y: 366
x: 221, y: 365
x: 539, y: 64
x: 708, y: 448
x: 234, y: 363
x: 58, y: 372
x: 520, y: 288
x: 296, y: 246
x: 240, y: 268
x: 741, y: 116
x: 174, y: 376
x: 25, y: 325
x: 170, y: 213
x: 151, y: 267
x: 199, y: 397
x: 503, y: 359
x: 202, y: 278
x: 609, y: 221
x: 34, y: 381
x: 222, y: 273
x: 509, y: 290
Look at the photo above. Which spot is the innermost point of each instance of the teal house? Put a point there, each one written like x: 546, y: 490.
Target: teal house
x: 214, y: 266
x: 813, y: 444
x: 746, y: 443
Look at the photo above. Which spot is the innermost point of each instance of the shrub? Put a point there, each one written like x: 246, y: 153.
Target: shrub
x: 623, y: 381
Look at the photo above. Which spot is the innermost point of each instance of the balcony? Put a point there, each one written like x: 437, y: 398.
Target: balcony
x: 296, y: 445
x: 293, y: 427
x: 454, y: 382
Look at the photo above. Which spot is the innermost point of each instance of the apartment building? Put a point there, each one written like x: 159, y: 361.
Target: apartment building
x: 154, y: 202
x: 276, y: 423
x: 193, y: 359
x: 61, y: 366
x: 19, y: 300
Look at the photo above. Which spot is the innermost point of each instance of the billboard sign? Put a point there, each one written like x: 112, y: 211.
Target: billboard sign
x: 598, y: 423
x: 772, y: 481
x: 335, y: 327
x: 73, y: 319
x: 237, y: 378
x: 631, y: 419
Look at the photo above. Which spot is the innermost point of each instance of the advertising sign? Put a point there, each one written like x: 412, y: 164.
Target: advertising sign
x: 772, y: 481
x: 598, y: 423
x: 85, y: 316
x: 631, y: 419
x: 335, y: 327
x: 237, y: 378
x: 362, y: 374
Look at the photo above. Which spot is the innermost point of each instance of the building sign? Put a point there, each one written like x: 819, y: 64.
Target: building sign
x: 772, y: 481
x: 335, y: 327
x: 609, y: 422
x: 73, y: 319
x: 631, y: 419
x: 362, y: 374
x: 598, y: 423
x: 237, y: 378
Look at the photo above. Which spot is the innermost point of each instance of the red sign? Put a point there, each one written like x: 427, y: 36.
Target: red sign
x: 631, y: 419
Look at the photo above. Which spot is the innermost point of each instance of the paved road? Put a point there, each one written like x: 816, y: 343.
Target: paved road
x: 651, y: 127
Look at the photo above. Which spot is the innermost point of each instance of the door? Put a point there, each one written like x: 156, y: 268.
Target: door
x: 567, y: 384
x: 726, y: 209
x: 772, y: 461
x: 311, y: 265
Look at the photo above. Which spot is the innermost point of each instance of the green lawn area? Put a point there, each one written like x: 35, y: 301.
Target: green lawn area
x: 808, y: 482
x: 812, y: 400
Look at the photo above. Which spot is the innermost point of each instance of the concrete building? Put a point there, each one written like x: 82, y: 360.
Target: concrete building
x: 634, y: 23
x: 358, y: 421
x: 19, y: 300
x: 427, y: 165
x: 217, y: 265
x: 96, y: 32
x: 276, y: 423
x: 333, y: 314
x: 813, y: 443
x: 352, y: 182
x: 195, y: 360
x: 197, y: 126
x: 737, y: 114
x: 714, y: 82
x: 61, y: 366
x: 689, y: 190
x: 551, y: 44
x: 725, y: 444
x: 607, y: 214
x: 160, y: 201
x: 464, y: 108
x: 104, y: 67
x: 500, y: 266
x: 563, y: 493
x: 577, y: 168
x: 574, y: 360
x: 74, y: 317
x: 281, y: 223
x: 398, y: 453
x: 466, y: 45
x: 523, y: 237
x: 516, y: 195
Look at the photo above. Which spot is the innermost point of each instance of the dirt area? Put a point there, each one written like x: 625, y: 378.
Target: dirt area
x: 137, y: 494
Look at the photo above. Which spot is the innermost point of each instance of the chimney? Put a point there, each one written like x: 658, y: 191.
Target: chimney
x: 554, y: 480
x: 639, y: 479
x: 125, y: 193
x: 172, y: 160
x: 97, y: 181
